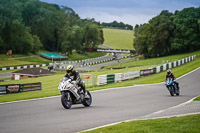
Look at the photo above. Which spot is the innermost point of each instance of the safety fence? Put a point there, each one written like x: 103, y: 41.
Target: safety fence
x: 118, y: 77
x: 82, y: 63
x: 89, y: 79
x: 15, y: 88
x: 63, y: 65
x: 24, y: 67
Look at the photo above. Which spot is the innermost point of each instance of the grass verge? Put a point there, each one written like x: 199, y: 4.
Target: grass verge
x: 185, y: 124
x: 135, y: 64
x: 118, y: 39
x: 6, y: 61
x: 50, y: 83
x: 197, y: 99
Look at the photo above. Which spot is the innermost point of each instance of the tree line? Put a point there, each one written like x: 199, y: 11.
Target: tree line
x: 169, y: 33
x: 31, y: 25
x: 119, y: 25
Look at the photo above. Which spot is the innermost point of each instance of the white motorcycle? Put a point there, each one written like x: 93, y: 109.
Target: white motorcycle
x: 72, y: 94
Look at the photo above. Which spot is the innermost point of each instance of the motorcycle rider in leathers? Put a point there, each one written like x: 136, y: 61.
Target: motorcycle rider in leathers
x: 171, y: 75
x: 74, y: 75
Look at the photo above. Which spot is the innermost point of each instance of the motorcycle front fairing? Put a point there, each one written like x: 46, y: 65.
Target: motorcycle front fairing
x: 169, y: 82
x: 67, y: 85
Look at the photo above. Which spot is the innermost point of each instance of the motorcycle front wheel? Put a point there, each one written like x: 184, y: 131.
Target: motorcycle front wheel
x: 87, y: 102
x: 66, y: 100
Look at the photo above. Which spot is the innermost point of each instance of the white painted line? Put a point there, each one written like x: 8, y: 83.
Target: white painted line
x: 44, y: 98
x: 164, y: 82
x: 160, y: 111
x: 179, y: 115
x: 143, y: 117
x: 170, y: 116
x: 98, y: 90
x: 188, y: 73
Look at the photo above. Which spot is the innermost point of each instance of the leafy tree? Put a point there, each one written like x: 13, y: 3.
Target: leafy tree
x: 30, y: 25
x: 141, y: 39
x: 153, y: 39
x: 186, y: 36
x: 119, y: 25
x: 169, y: 33
x: 14, y: 34
x: 92, y: 35
x: 161, y: 30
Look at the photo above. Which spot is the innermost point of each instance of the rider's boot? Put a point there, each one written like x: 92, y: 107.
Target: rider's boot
x: 85, y: 92
x: 86, y: 95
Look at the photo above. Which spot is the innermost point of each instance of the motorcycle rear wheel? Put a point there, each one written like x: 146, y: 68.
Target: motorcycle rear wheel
x: 66, y: 100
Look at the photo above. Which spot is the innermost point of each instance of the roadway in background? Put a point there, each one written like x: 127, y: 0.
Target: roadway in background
x: 109, y: 106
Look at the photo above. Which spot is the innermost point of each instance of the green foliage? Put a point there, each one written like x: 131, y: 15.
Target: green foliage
x: 92, y: 35
x: 73, y: 40
x: 186, y: 36
x: 50, y: 83
x: 30, y: 25
x: 169, y: 33
x: 197, y: 98
x: 20, y: 60
x: 119, y: 25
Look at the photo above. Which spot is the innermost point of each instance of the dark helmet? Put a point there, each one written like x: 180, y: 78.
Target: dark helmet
x: 69, y: 68
x: 169, y: 72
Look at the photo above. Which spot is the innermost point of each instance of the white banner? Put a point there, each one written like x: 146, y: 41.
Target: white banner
x: 118, y: 77
x: 130, y: 75
x: 102, y: 80
x: 157, y: 69
x: 174, y: 63
x: 164, y: 67
x: 170, y: 65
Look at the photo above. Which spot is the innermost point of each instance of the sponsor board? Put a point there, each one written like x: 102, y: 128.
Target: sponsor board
x: 145, y: 72
x: 13, y: 88
x: 2, y: 89
x: 130, y: 75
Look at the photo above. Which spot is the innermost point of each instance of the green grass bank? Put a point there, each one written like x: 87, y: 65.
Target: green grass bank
x: 19, y: 60
x: 50, y: 83
x: 118, y: 39
x: 185, y: 124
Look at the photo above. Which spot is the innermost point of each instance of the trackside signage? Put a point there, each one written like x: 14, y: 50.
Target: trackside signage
x: 2, y: 89
x: 113, y: 51
x: 146, y: 72
x: 130, y: 75
x: 15, y: 88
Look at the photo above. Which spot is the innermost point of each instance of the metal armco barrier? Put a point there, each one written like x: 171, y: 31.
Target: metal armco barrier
x: 15, y: 88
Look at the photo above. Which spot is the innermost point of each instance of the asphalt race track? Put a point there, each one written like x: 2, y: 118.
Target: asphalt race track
x: 109, y: 106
